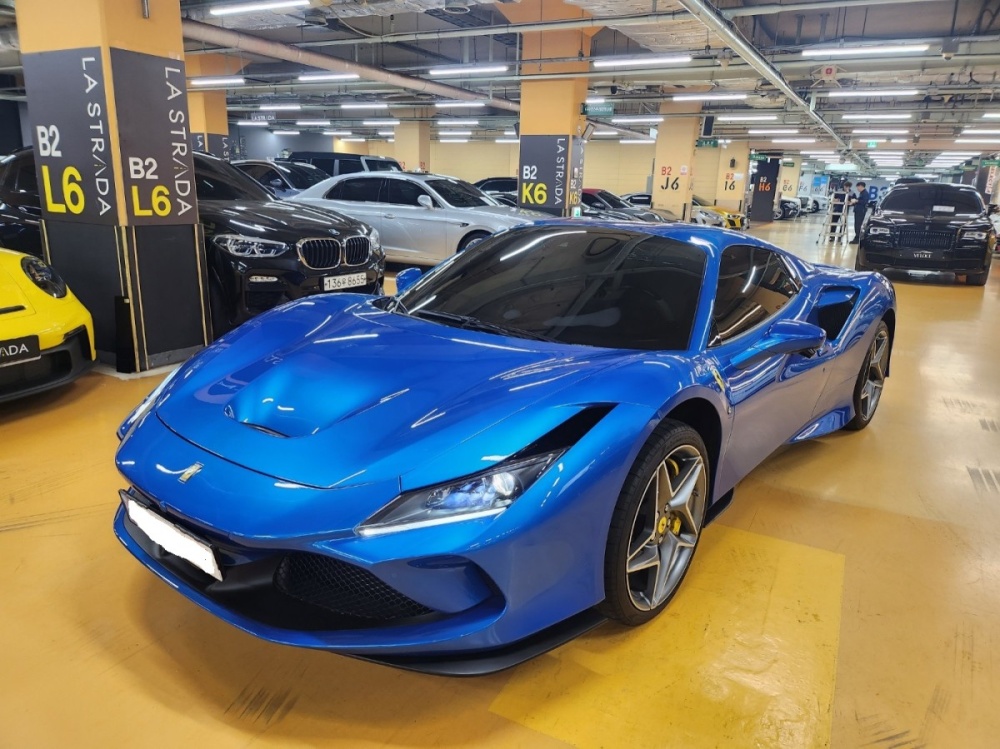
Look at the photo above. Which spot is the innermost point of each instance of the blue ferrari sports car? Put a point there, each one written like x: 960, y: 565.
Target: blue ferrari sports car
x: 524, y: 442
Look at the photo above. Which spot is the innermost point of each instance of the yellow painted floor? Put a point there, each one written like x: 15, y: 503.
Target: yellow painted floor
x: 849, y: 598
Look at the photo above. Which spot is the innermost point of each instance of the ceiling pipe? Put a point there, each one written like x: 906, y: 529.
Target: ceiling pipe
x: 762, y: 10
x: 210, y: 34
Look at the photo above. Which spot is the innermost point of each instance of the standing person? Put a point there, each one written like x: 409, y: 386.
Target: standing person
x: 860, y: 208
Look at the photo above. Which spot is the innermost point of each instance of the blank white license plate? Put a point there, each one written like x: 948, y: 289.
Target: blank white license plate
x: 350, y: 281
x: 173, y: 539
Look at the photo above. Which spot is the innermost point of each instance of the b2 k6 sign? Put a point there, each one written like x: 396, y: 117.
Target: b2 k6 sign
x: 543, y: 179
x: 69, y: 126
x: 157, y: 166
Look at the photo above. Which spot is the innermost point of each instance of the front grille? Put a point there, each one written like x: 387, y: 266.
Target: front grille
x: 356, y: 250
x: 51, y: 367
x: 342, y: 588
x: 320, y: 254
x: 924, y: 240
x: 259, y: 301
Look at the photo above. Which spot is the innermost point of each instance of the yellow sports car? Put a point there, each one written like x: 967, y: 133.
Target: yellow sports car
x: 703, y: 212
x: 46, y: 335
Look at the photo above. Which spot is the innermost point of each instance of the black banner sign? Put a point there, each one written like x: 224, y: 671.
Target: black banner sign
x: 218, y: 145
x: 157, y: 166
x: 764, y: 191
x: 69, y: 127
x: 198, y: 143
x: 543, y: 177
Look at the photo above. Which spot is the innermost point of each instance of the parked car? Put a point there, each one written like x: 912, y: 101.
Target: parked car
x: 46, y: 335
x: 462, y: 477
x: 603, y: 200
x: 282, y: 178
x: 335, y: 164
x: 497, y: 186
x: 703, y: 212
x: 641, y: 199
x: 261, y: 251
x: 805, y: 204
x: 788, y: 208
x: 820, y: 202
x: 929, y: 226
x: 421, y: 218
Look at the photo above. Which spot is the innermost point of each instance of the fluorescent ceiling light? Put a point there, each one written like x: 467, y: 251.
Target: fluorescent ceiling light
x: 874, y: 140
x: 366, y: 105
x: 639, y: 62
x: 378, y: 123
x: 456, y: 104
x: 469, y: 70
x: 280, y: 107
x: 637, y: 141
x: 708, y: 97
x: 772, y: 131
x: 846, y: 93
x: 309, y: 77
x: 229, y: 80
x: 819, y: 153
x: 595, y: 100
x: 978, y: 131
x: 876, y: 116
x: 793, y: 140
x: 978, y: 140
x: 899, y: 140
x: 507, y: 140
x: 453, y: 140
x: 887, y: 153
x: 455, y: 133
x: 229, y: 10
x: 879, y: 131
x: 510, y: 132
x: 285, y: 132
x: 387, y: 132
x: 252, y: 123
x: 605, y: 132
x: 882, y: 50
x: 636, y: 119
x: 991, y: 116
x: 966, y: 154
x: 747, y: 118
x: 337, y: 132
x: 312, y: 123
x: 352, y: 140
x: 453, y: 123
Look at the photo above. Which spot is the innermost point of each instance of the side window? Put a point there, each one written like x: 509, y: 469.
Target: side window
x: 360, y: 190
x: 8, y: 177
x: 27, y: 182
x: 591, y: 200
x: 490, y: 184
x: 269, y: 175
x: 349, y: 166
x: 401, y: 192
x: 754, y: 284
x: 256, y: 171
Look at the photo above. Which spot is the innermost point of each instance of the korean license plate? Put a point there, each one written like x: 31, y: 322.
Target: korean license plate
x: 349, y: 281
x: 17, y: 350
x: 173, y: 539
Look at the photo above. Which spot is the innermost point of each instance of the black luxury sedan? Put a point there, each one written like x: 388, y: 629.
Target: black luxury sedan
x: 261, y: 251
x: 930, y: 227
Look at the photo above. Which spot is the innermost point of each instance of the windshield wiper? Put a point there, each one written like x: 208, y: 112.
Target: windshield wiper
x: 468, y: 322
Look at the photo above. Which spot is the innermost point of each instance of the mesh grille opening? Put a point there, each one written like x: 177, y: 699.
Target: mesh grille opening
x: 320, y: 253
x: 356, y: 250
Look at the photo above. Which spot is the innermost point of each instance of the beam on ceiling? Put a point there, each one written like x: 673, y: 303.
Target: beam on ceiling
x: 209, y: 34
x: 821, y: 6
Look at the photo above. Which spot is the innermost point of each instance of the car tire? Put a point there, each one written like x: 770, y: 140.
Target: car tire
x: 777, y: 214
x: 871, y: 378
x: 977, y: 279
x: 815, y: 206
x: 655, y: 529
x: 470, y: 238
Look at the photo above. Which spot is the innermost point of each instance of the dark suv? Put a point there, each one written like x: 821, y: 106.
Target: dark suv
x: 336, y: 164
x: 929, y: 226
x: 261, y: 251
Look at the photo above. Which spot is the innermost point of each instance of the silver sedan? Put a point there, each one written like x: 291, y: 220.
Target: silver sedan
x: 421, y: 218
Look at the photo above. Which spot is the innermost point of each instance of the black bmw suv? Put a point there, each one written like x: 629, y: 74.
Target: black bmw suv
x: 261, y: 251
x: 929, y: 226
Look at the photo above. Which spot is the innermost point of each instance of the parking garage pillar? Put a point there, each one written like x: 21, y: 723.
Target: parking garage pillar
x: 788, y: 176
x: 413, y: 145
x: 209, y: 117
x: 673, y: 175
x: 550, y: 171
x: 731, y: 185
x: 107, y: 103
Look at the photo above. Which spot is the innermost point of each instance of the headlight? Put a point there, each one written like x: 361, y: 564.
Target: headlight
x: 143, y: 408
x: 376, y: 242
x: 979, y: 235
x: 236, y: 244
x: 478, y: 496
x: 876, y: 230
x: 44, y: 277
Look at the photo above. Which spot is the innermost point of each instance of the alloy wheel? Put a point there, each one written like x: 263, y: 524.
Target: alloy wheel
x: 871, y: 391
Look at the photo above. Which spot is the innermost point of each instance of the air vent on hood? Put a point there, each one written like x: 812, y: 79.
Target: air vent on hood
x: 15, y: 308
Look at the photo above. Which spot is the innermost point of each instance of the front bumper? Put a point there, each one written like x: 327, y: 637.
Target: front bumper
x: 57, y: 366
x: 877, y: 255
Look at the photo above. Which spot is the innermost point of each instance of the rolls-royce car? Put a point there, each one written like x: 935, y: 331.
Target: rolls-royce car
x: 421, y: 218
x: 46, y: 335
x: 524, y: 442
x: 930, y: 226
x: 282, y: 177
x: 261, y: 251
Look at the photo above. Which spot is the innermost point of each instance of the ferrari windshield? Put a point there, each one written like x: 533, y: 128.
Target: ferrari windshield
x: 592, y: 286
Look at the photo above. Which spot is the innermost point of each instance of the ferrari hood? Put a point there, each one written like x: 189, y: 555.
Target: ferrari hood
x: 334, y: 392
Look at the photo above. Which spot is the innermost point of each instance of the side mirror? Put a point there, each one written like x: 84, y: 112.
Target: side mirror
x: 276, y: 183
x: 407, y: 277
x: 427, y: 202
x: 783, y: 337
